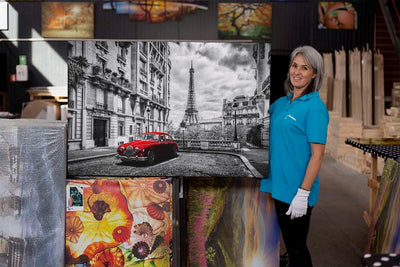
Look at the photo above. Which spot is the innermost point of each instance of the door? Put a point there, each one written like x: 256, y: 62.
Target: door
x: 99, y: 132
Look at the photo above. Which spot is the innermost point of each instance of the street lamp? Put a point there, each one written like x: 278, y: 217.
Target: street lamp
x: 234, y: 106
x: 183, y: 125
x: 148, y: 118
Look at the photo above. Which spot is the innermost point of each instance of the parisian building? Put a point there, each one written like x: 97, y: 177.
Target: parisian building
x: 262, y: 56
x: 116, y: 91
x: 244, y: 108
x: 252, y: 110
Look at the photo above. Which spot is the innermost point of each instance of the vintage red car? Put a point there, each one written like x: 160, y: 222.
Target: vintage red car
x: 149, y: 147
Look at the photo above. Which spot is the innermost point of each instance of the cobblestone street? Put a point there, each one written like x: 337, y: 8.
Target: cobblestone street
x: 186, y: 164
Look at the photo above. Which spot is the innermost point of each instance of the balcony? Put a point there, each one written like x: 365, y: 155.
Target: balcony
x: 144, y: 91
x: 121, y: 60
x: 101, y: 106
x: 102, y: 45
x: 143, y: 72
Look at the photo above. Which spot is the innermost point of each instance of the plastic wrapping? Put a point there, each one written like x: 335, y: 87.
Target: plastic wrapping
x: 32, y: 192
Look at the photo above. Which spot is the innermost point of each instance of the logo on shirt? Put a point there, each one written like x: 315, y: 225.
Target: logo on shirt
x: 290, y: 116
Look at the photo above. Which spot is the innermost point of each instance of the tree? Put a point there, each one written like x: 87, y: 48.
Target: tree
x: 244, y: 20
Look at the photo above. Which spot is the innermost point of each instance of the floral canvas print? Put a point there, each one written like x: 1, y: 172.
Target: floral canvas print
x: 119, y: 222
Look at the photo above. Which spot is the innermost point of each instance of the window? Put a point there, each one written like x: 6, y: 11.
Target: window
x: 120, y: 128
x: 130, y: 129
x: 120, y: 105
x: 70, y: 128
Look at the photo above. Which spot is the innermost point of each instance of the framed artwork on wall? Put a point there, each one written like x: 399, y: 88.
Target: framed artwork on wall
x: 337, y: 15
x: 156, y: 11
x: 251, y: 21
x: 193, y: 109
x: 3, y: 16
x: 67, y: 20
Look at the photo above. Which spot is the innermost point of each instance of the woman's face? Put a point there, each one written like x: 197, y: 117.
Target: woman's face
x: 301, y: 74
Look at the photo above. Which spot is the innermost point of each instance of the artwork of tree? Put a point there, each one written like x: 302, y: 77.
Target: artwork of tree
x: 244, y: 21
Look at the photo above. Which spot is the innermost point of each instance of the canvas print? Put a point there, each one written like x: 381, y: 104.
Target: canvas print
x: 231, y: 223
x: 168, y: 109
x: 67, y: 20
x: 153, y: 11
x: 119, y: 222
x: 384, y: 232
x: 250, y: 21
x: 32, y: 193
x: 337, y: 15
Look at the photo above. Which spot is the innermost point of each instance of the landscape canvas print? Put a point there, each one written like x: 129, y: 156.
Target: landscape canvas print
x: 193, y: 109
x: 240, y: 21
x: 156, y: 11
x: 67, y: 20
x: 231, y: 223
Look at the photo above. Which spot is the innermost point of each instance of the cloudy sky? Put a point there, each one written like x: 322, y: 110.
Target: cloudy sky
x: 221, y: 70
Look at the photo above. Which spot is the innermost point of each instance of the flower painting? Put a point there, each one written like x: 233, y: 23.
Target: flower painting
x: 123, y: 222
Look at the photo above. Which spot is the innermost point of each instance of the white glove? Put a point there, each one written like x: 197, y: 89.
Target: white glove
x: 298, y: 207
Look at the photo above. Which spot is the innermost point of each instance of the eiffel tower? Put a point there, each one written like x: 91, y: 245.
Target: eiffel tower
x: 191, y: 116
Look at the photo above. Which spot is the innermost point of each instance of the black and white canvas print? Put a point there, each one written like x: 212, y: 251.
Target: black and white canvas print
x: 192, y: 109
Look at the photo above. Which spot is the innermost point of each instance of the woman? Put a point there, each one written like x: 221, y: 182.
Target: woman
x: 298, y: 130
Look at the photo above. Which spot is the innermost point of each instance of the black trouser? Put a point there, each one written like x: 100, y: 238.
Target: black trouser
x: 294, y: 233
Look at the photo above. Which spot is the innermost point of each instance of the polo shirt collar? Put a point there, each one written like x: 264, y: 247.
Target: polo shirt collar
x: 304, y: 97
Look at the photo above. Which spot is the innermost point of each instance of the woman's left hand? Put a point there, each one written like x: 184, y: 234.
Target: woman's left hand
x: 298, y: 207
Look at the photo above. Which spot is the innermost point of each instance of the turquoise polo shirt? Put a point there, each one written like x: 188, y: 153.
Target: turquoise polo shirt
x: 293, y: 126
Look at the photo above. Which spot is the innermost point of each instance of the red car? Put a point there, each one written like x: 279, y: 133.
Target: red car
x: 149, y: 147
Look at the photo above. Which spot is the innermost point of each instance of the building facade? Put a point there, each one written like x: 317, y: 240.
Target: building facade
x: 116, y: 91
x: 243, y: 109
x: 248, y: 111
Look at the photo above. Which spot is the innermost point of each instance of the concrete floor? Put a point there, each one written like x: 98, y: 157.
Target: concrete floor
x: 338, y: 232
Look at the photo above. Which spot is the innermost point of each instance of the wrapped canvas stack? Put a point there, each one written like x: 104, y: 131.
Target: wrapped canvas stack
x: 32, y: 190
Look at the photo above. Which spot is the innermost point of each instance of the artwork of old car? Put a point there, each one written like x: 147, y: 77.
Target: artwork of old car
x: 151, y: 146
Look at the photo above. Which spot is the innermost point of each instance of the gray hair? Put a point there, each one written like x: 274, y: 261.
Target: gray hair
x: 314, y: 59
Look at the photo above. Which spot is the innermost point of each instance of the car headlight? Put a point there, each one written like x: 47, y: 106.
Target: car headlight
x: 121, y: 149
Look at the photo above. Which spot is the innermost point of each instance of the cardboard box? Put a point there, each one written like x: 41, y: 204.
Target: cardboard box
x: 41, y: 109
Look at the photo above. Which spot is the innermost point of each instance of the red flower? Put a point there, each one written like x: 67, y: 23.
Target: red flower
x: 121, y: 234
x: 156, y: 212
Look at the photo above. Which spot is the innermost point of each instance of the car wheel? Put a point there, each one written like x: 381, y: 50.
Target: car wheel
x: 151, y: 157
x: 174, y: 152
